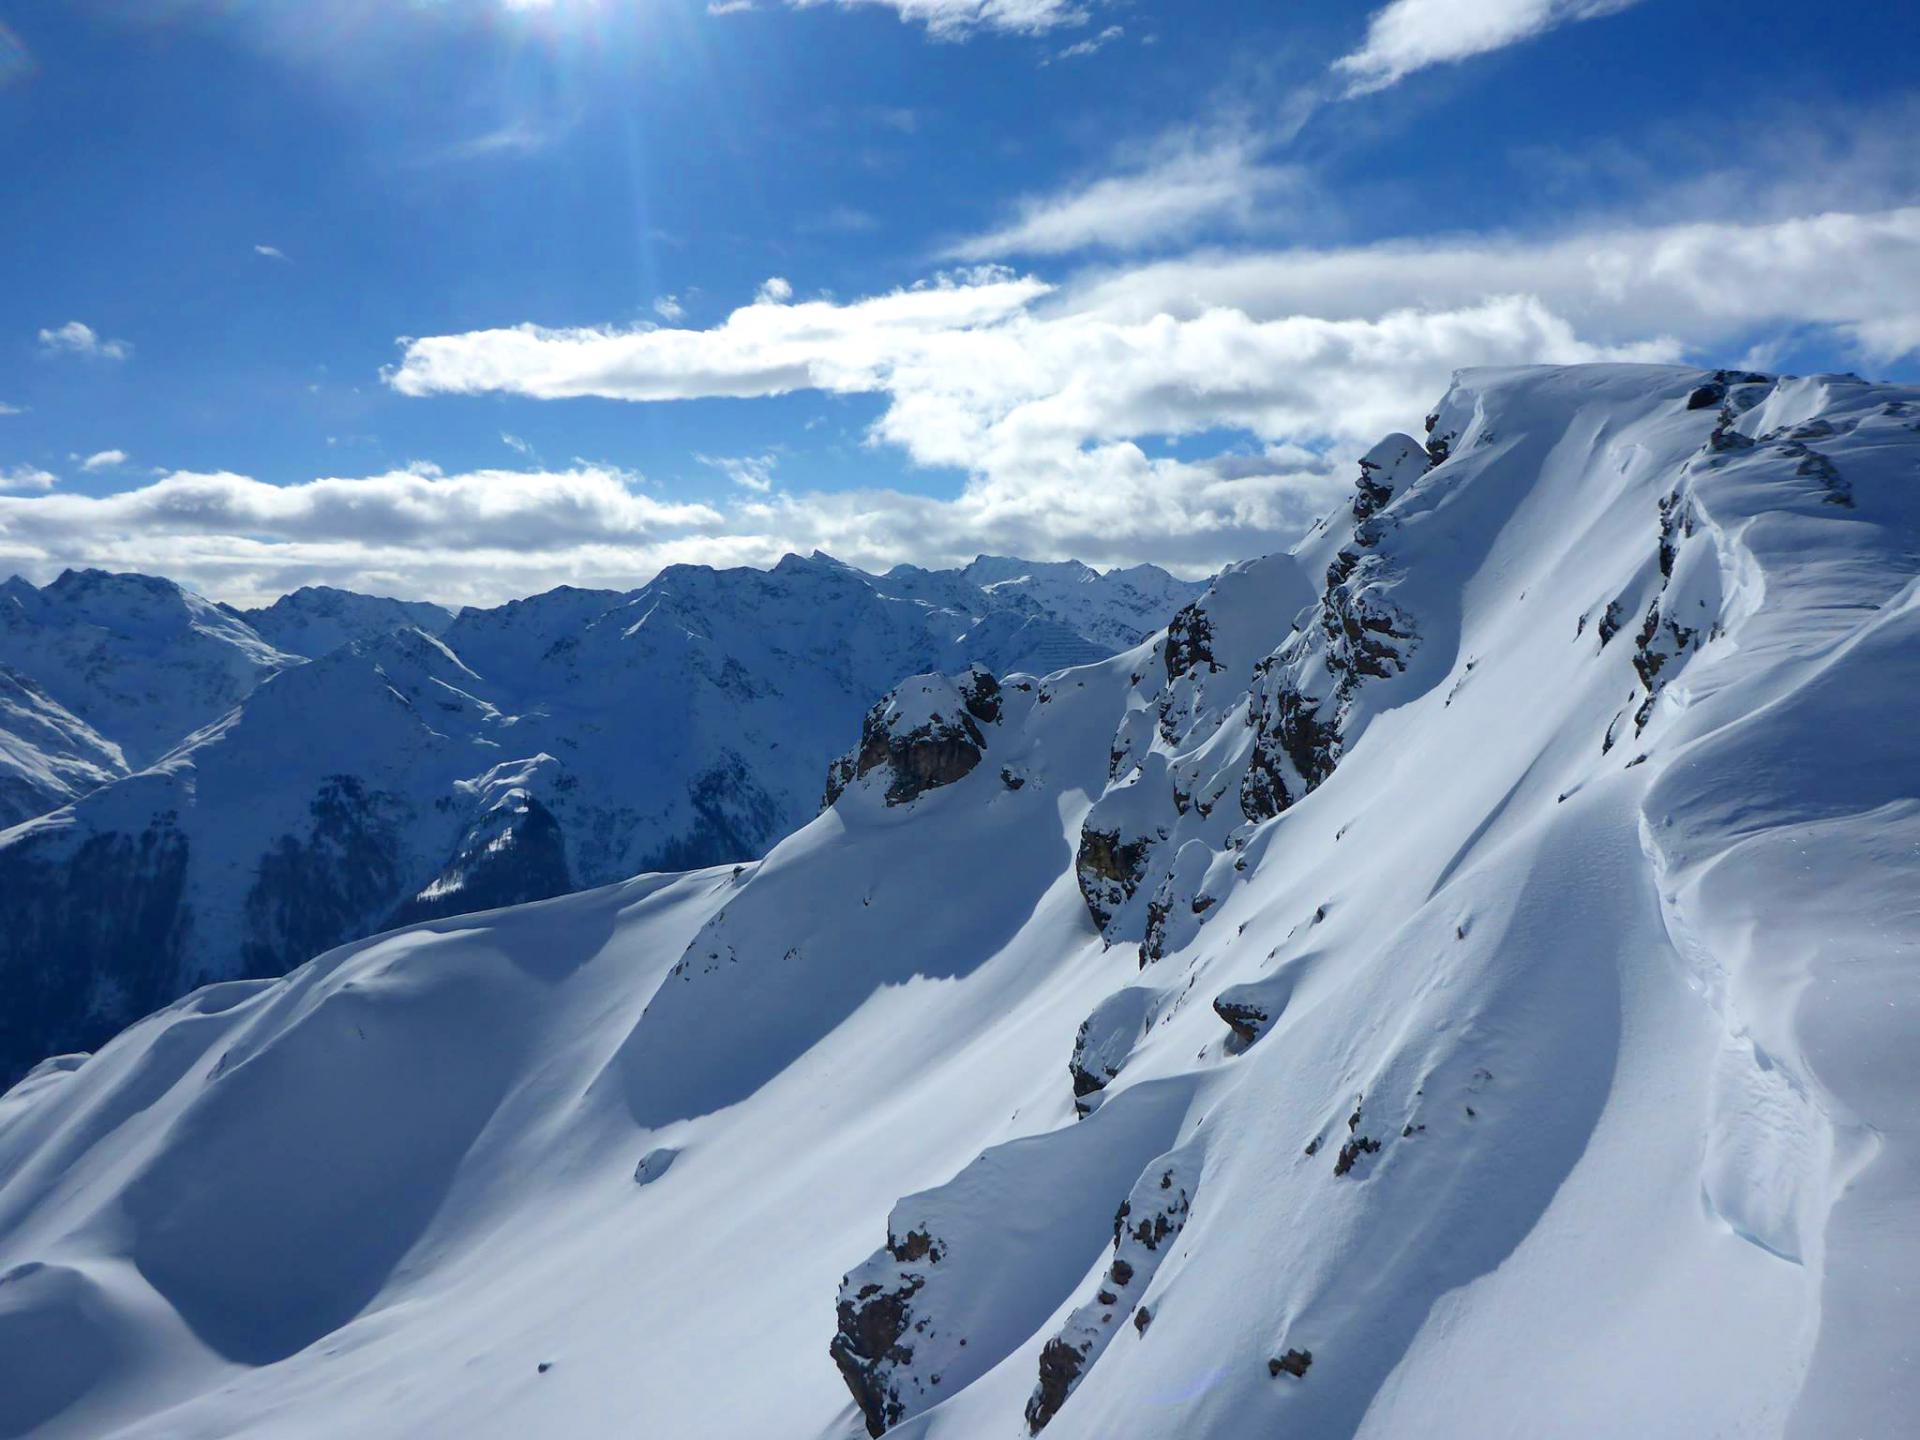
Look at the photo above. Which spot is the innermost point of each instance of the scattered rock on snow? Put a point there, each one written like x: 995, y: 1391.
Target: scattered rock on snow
x: 1294, y: 1363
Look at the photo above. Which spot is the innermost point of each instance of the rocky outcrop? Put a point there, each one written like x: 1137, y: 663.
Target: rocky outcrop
x: 1108, y: 869
x: 1250, y: 1010
x: 1105, y: 1040
x: 513, y: 853
x: 1304, y: 691
x: 873, y: 1343
x: 925, y: 735
x: 1148, y: 1222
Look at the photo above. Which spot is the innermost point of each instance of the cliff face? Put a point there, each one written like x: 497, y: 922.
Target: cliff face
x: 1414, y: 987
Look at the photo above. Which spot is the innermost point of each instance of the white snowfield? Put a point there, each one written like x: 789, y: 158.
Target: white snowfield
x: 1546, y: 828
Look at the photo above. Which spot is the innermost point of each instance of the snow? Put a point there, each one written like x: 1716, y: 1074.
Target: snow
x: 48, y: 755
x: 317, y: 619
x: 140, y: 660
x: 1580, y: 1104
x: 686, y: 723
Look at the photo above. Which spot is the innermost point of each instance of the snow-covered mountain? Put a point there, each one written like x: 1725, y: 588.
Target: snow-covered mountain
x: 141, y: 661
x: 48, y: 755
x: 1459, y: 979
x: 318, y: 618
x: 552, y: 743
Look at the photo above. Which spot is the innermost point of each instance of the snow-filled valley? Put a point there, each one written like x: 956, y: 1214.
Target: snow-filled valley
x: 1457, y: 979
x: 246, y: 806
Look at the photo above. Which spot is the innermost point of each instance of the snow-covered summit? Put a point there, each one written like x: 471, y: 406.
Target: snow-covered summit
x: 317, y: 618
x: 1503, y: 1008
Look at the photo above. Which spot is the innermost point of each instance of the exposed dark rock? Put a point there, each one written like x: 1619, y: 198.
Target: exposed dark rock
x: 922, y: 754
x: 1109, y: 871
x: 1610, y: 622
x: 871, y: 1325
x: 980, y: 692
x: 1060, y: 1367
x: 514, y: 854
x: 1189, y: 643
x: 315, y: 890
x: 1247, y: 1021
x: 1294, y: 1363
x: 1294, y: 750
x: 116, y: 962
x: 1153, y: 1214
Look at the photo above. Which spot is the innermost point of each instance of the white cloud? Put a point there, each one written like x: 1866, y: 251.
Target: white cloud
x: 19, y: 478
x: 749, y: 472
x: 483, y: 535
x: 270, y: 252
x: 729, y: 7
x: 1410, y: 35
x: 1091, y: 45
x: 515, y: 443
x: 668, y: 307
x: 1169, y: 191
x: 1708, y: 283
x: 74, y: 338
x: 103, y: 460
x: 1055, y: 401
x: 6, y: 409
x: 956, y: 19
x: 770, y: 347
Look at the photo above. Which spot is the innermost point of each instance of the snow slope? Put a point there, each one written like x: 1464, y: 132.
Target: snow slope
x: 556, y: 742
x: 1458, y: 981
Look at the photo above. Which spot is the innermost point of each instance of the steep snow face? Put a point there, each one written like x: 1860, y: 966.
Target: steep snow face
x: 318, y: 618
x: 557, y: 742
x: 1524, y: 1028
x: 140, y: 660
x: 48, y: 756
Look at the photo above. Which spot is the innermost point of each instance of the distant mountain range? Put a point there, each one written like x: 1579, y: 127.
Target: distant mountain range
x: 198, y: 792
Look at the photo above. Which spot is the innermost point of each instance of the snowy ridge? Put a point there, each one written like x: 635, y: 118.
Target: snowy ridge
x: 1494, y: 1000
x: 519, y: 752
x: 319, y: 618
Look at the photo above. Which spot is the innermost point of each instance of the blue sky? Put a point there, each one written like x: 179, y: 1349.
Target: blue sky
x: 464, y: 298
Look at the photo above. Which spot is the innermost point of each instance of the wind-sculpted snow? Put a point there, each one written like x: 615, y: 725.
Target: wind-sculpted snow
x: 1504, y: 1024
